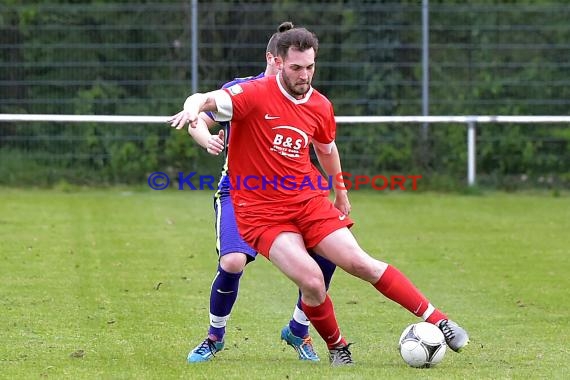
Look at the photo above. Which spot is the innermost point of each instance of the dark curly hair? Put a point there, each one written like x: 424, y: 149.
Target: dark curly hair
x: 299, y: 39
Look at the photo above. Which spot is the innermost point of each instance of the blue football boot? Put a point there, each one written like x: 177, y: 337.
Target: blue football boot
x: 205, y: 351
x: 303, y: 346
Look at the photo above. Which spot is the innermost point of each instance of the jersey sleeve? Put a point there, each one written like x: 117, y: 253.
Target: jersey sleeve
x: 224, y: 104
x: 324, y: 136
x: 212, y: 115
x: 237, y: 101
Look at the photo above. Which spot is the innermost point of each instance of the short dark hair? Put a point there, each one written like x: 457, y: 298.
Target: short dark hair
x: 299, y: 39
x: 272, y: 44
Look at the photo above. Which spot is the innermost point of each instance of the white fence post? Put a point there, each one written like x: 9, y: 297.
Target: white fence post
x: 471, y: 155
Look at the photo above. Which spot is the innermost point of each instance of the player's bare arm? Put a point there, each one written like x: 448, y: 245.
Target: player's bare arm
x: 329, y: 159
x: 213, y: 143
x: 193, y: 105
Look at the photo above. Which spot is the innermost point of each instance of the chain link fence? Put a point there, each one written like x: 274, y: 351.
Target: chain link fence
x: 134, y: 58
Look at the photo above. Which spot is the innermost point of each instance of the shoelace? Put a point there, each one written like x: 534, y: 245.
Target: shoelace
x: 207, y: 345
x: 447, y: 331
x: 308, y: 344
x: 343, y: 353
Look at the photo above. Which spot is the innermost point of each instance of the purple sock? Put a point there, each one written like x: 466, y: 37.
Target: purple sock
x: 298, y: 329
x: 327, y: 267
x: 222, y: 298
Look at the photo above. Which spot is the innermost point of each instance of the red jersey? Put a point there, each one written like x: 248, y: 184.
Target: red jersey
x: 269, y: 163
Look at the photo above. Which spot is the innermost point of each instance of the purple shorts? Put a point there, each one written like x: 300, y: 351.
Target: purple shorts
x: 228, y: 239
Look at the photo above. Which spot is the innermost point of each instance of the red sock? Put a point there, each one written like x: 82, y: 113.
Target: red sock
x: 394, y: 285
x: 324, y: 320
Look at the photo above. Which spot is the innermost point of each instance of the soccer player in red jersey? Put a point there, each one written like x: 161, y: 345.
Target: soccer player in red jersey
x: 274, y: 119
x: 234, y: 254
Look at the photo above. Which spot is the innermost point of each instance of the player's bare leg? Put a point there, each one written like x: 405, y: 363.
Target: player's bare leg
x: 288, y: 253
x: 296, y: 333
x: 342, y: 248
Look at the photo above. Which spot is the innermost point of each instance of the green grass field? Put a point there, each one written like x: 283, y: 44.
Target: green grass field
x: 114, y: 284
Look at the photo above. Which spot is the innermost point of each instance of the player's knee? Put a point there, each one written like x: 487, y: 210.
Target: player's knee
x: 315, y: 283
x: 313, y: 287
x: 364, y: 267
x: 233, y: 262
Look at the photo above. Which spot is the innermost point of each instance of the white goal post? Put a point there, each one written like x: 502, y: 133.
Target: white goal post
x: 470, y: 121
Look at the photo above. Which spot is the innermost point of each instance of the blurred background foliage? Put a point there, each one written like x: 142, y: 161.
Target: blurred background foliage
x: 134, y: 58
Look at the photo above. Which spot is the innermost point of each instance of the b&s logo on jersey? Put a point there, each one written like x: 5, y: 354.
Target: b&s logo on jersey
x: 289, y: 141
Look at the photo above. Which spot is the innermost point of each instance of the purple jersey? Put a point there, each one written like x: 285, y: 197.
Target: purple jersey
x: 228, y: 239
x: 224, y: 182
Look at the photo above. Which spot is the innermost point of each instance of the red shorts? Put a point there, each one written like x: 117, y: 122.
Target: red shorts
x: 314, y: 219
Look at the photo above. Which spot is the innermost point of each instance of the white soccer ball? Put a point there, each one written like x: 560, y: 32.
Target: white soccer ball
x: 422, y: 345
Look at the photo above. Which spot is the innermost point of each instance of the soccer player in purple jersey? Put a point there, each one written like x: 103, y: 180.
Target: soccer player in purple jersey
x: 234, y: 253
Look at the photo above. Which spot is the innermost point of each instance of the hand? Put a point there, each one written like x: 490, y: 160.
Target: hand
x: 341, y: 201
x: 181, y: 118
x: 216, y: 143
